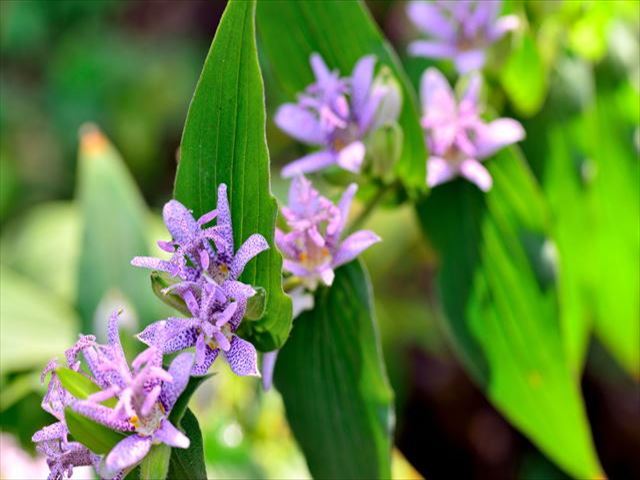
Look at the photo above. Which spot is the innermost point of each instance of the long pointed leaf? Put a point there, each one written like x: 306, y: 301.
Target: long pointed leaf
x: 498, y: 291
x: 224, y: 142
x: 332, y: 379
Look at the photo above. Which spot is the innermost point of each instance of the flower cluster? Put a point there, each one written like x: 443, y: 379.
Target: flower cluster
x: 459, y: 30
x: 458, y: 139
x: 136, y: 399
x: 337, y: 115
x: 144, y: 395
x: 207, y: 268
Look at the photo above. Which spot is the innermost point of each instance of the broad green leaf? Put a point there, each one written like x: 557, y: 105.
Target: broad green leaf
x: 35, y: 325
x: 524, y: 76
x: 97, y: 438
x: 498, y: 291
x: 155, y: 465
x: 333, y: 382
x: 614, y: 233
x: 115, y: 222
x: 342, y: 32
x: 224, y: 142
x: 188, y: 464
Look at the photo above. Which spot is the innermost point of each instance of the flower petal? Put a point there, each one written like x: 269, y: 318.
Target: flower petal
x: 351, y: 157
x: 429, y: 18
x: 309, y: 163
x: 125, y: 454
x: 503, y: 25
x: 353, y: 245
x: 252, y: 246
x: 242, y: 357
x: 179, y: 221
x: 337, y: 224
x: 493, y: 136
x: 224, y: 224
x: 268, y: 366
x: 153, y: 263
x: 180, y: 370
x: 425, y: 48
x: 170, y: 435
x: 469, y: 60
x: 101, y: 414
x: 202, y: 367
x: 361, y: 81
x: 439, y: 171
x: 476, y: 173
x: 300, y: 124
x: 438, y: 99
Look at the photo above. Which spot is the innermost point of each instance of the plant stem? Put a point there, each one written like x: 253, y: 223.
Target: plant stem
x: 371, y: 206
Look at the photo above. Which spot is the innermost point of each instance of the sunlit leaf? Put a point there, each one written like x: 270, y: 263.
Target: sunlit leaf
x: 115, y: 222
x: 35, y: 325
x: 342, y: 32
x: 332, y: 379
x: 498, y: 289
x: 188, y: 464
x: 155, y: 465
x: 96, y: 437
x: 224, y: 142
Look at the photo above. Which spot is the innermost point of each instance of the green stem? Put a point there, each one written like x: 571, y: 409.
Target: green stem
x: 371, y: 206
x: 290, y: 283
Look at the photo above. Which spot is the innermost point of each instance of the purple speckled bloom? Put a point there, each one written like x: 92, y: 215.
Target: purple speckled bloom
x: 52, y: 440
x: 217, y: 313
x: 191, y: 245
x: 458, y: 139
x: 336, y: 114
x: 313, y: 248
x: 204, y: 259
x: 460, y: 30
x: 145, y: 395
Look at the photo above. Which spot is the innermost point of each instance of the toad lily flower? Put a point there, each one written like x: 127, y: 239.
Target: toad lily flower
x: 204, y: 259
x: 216, y: 316
x: 191, y: 245
x: 337, y: 115
x: 52, y: 441
x: 313, y: 248
x: 457, y: 137
x: 145, y: 394
x: 459, y: 30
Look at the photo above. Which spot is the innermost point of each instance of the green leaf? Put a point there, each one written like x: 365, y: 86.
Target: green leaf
x: 76, y: 384
x: 115, y: 221
x: 162, y: 280
x: 614, y: 232
x: 180, y: 406
x: 189, y: 464
x: 96, y: 437
x: 155, y: 465
x: 224, y: 142
x: 35, y: 325
x: 333, y: 382
x: 524, y: 76
x: 342, y: 32
x: 501, y: 306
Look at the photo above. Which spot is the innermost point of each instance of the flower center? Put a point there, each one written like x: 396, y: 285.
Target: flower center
x: 147, y: 425
x: 345, y: 136
x: 314, y: 256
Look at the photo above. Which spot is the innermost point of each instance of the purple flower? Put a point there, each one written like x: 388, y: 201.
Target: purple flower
x: 193, y: 252
x: 51, y: 441
x: 460, y: 30
x: 145, y: 395
x: 313, y: 248
x: 457, y: 137
x: 337, y: 114
x: 217, y: 312
x: 204, y: 259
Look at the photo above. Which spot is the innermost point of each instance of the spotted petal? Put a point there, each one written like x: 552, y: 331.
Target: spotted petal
x: 125, y: 454
x: 242, y: 357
